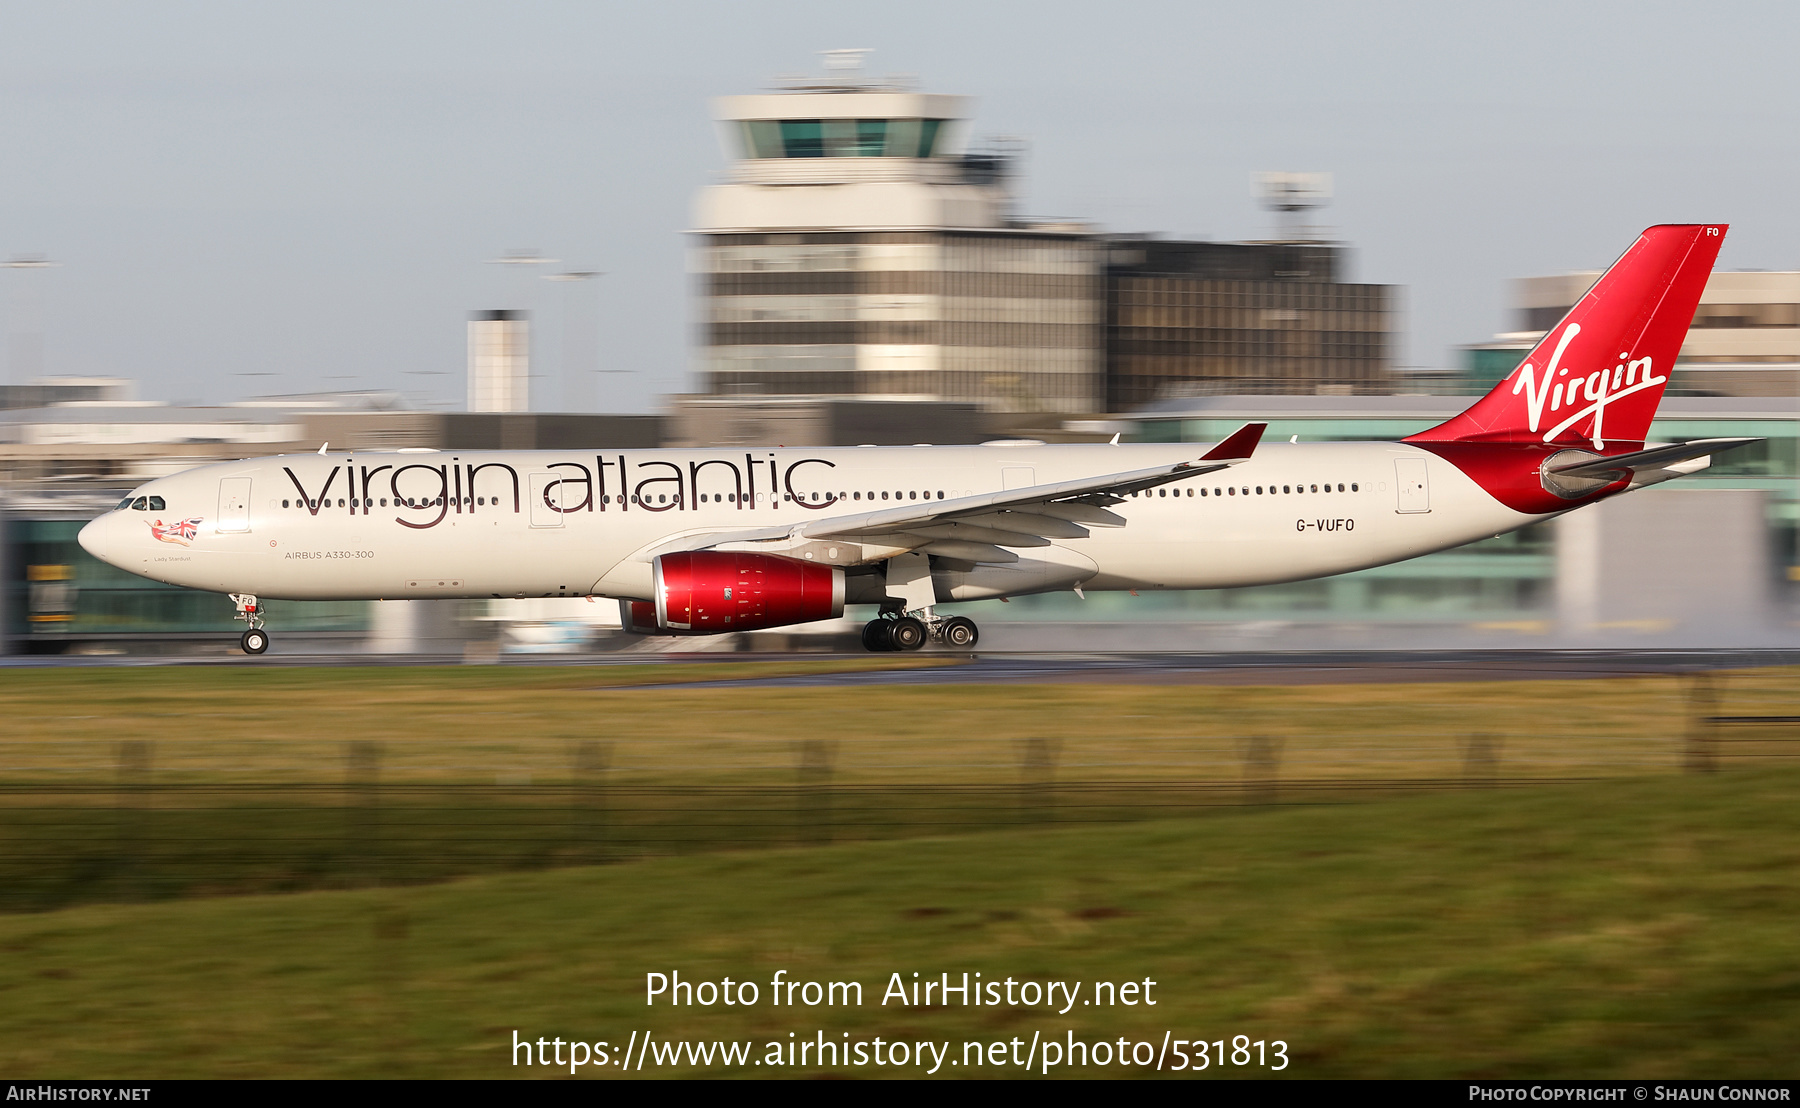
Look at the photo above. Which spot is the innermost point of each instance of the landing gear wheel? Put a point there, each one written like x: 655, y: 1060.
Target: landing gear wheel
x: 960, y: 632
x: 255, y: 641
x: 907, y: 633
x: 876, y: 635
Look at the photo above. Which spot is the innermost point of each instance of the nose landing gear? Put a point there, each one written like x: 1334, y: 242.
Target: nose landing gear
x: 255, y: 640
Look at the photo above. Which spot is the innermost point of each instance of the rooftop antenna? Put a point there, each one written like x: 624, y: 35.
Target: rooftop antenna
x: 846, y: 65
x: 521, y: 257
x: 26, y: 356
x: 1291, y: 196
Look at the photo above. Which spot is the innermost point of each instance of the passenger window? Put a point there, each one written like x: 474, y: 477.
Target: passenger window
x: 1352, y: 488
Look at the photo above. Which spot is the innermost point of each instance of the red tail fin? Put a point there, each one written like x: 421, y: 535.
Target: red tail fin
x: 1598, y: 375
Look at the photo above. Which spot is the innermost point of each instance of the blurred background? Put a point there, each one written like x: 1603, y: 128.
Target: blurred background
x: 227, y: 232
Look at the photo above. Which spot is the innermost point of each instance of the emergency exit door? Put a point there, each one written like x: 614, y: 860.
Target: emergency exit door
x: 1413, y: 487
x: 234, y: 505
x: 547, y: 495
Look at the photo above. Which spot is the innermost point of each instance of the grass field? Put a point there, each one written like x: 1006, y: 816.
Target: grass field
x: 1640, y: 928
x: 1600, y: 914
x: 487, y: 724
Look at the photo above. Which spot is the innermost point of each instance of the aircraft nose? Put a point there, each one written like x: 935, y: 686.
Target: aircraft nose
x: 94, y: 537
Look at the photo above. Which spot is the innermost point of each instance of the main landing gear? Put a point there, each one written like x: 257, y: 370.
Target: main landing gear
x: 899, y: 631
x: 255, y: 640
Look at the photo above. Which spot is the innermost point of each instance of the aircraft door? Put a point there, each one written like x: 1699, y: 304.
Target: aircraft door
x: 547, y: 492
x: 234, y: 505
x: 1414, y: 489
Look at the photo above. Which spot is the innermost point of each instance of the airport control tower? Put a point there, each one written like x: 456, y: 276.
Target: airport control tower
x: 858, y: 247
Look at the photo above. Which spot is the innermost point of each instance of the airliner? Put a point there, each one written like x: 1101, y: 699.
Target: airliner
x: 716, y: 541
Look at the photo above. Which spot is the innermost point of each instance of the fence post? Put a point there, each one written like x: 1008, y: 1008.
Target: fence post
x: 131, y: 821
x: 1037, y: 785
x: 1701, y: 753
x: 590, y: 762
x: 1481, y: 759
x: 362, y: 779
x: 1262, y: 762
x: 814, y: 808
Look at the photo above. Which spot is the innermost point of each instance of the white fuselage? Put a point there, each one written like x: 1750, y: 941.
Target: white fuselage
x: 401, y: 524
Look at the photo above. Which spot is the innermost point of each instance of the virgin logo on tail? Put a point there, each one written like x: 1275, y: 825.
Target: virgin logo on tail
x: 1599, y: 388
x: 1571, y: 387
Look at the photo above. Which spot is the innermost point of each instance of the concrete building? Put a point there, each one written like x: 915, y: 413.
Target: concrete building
x: 45, y: 391
x: 1196, y: 318
x: 1745, y: 340
x: 859, y: 246
x: 499, y: 361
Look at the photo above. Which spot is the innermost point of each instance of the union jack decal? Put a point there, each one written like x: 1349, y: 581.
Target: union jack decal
x: 181, y: 533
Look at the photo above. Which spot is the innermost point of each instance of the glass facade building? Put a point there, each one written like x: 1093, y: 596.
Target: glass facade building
x: 1509, y: 581
x: 57, y: 595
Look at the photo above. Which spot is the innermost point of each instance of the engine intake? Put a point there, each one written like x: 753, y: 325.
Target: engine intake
x: 710, y: 592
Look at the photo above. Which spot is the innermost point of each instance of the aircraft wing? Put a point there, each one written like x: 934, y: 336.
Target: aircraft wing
x: 980, y: 528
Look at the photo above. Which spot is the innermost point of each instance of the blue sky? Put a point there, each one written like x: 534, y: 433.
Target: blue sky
x: 260, y: 197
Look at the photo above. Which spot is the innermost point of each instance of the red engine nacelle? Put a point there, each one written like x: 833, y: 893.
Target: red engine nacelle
x: 710, y: 592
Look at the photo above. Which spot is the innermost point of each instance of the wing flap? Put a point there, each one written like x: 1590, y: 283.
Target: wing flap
x: 956, y: 529
x: 968, y: 551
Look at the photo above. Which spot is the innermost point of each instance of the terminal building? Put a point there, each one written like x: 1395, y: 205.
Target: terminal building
x: 1745, y: 339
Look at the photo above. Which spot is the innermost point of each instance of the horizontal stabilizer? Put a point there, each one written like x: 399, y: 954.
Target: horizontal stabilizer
x: 1657, y: 457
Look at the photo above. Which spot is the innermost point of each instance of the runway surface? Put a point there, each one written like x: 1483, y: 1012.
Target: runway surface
x: 1285, y: 668
x: 1240, y: 668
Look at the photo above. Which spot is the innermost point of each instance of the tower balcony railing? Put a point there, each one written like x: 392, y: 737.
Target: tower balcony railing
x: 844, y: 171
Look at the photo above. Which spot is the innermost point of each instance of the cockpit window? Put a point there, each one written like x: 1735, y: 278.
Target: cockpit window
x: 157, y: 504
x: 123, y: 504
x: 141, y: 503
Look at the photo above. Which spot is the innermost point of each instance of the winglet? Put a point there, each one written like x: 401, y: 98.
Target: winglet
x: 1240, y: 444
x: 323, y: 446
